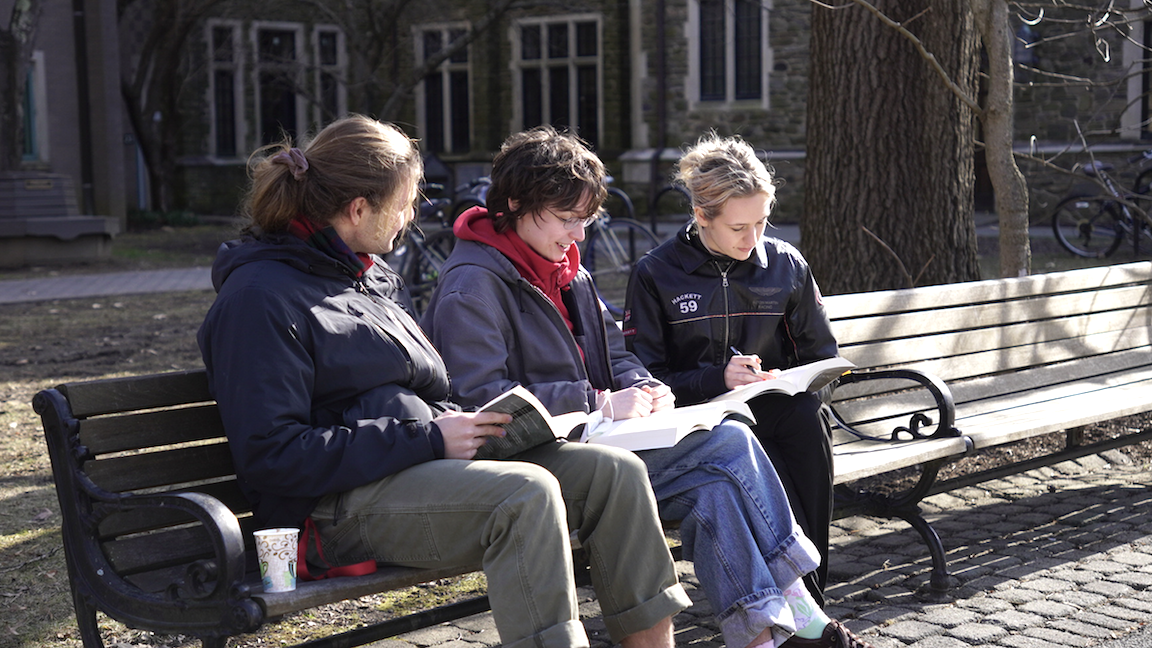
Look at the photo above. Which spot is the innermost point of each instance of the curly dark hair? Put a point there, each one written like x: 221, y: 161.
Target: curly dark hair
x: 544, y: 168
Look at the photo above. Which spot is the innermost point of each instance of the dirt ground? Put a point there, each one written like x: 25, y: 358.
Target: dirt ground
x: 45, y: 343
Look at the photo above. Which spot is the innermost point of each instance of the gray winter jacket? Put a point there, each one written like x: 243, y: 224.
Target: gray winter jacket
x: 496, y: 330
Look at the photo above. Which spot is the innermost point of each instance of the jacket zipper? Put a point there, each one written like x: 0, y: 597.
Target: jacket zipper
x: 560, y: 322
x: 727, y: 308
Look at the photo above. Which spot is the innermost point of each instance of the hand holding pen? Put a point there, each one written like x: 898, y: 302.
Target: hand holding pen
x: 744, y: 369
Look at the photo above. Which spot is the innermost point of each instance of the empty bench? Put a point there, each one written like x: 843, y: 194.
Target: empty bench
x: 1021, y: 357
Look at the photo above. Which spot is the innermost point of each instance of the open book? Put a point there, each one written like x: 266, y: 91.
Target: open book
x: 531, y: 424
x: 810, y: 377
x: 662, y: 429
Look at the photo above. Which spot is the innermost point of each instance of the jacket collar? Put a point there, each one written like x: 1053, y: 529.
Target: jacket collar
x: 692, y: 254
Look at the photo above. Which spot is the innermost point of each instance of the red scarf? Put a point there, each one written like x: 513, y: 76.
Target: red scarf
x: 550, y: 277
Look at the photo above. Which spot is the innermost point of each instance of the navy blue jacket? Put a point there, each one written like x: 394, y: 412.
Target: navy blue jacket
x: 323, y: 381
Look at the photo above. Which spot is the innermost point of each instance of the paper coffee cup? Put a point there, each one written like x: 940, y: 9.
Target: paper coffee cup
x: 276, y: 550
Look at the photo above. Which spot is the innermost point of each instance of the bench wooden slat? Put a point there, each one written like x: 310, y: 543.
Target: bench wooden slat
x: 955, y: 369
x: 114, y: 395
x: 927, y: 347
x: 150, y: 429
x: 984, y: 316
x: 314, y: 593
x: 931, y: 298
x: 979, y: 395
x: 866, y: 458
x: 166, y: 468
x: 228, y: 492
x: 161, y: 549
x: 1007, y: 426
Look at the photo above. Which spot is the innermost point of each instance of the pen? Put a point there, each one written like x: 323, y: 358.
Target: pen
x: 749, y: 367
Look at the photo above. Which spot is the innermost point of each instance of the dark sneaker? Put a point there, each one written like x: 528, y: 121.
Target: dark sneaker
x: 835, y: 636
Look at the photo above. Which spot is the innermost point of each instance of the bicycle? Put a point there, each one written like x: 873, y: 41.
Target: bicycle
x: 612, y: 248
x: 418, y: 256
x: 1094, y: 226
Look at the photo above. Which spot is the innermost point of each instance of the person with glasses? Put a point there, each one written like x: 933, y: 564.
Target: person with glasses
x: 336, y: 409
x: 514, y: 307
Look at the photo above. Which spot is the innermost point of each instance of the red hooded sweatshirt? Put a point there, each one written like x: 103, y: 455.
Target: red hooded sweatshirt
x: 549, y: 276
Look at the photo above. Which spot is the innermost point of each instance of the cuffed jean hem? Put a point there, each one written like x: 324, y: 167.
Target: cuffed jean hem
x: 665, y: 604
x: 792, y: 559
x: 747, y: 618
x: 569, y: 634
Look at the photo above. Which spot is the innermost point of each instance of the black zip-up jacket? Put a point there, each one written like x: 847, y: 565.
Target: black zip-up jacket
x: 324, y: 383
x: 687, y: 309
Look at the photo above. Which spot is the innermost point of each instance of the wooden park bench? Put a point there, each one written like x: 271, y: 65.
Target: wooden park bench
x: 156, y: 531
x: 1020, y: 357
x: 157, y: 534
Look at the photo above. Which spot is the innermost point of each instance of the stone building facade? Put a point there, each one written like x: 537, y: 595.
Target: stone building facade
x: 640, y: 79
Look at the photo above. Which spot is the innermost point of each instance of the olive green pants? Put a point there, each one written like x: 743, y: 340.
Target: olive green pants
x: 514, y: 518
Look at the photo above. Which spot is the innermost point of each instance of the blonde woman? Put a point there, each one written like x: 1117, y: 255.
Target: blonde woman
x: 720, y: 305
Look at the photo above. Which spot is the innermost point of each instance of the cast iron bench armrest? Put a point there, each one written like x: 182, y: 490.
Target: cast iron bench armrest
x: 944, y: 404
x: 209, y: 578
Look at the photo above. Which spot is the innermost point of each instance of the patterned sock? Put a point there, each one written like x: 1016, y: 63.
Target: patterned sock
x: 810, y: 619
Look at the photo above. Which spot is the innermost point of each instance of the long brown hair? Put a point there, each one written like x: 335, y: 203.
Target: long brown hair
x: 352, y: 157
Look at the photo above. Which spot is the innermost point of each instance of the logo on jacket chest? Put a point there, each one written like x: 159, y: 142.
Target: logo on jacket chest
x: 687, y: 303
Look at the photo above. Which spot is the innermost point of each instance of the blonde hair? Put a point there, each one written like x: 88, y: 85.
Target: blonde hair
x: 355, y: 156
x: 717, y: 169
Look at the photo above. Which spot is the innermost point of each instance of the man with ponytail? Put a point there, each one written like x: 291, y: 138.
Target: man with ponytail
x: 335, y: 406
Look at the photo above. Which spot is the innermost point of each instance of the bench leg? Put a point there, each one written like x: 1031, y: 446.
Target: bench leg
x: 940, y: 581
x: 85, y: 619
x: 905, y: 506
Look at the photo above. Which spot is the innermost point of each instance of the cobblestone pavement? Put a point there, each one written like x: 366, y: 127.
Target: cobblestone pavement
x: 1059, y: 556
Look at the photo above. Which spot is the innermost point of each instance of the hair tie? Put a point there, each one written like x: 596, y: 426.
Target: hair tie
x: 294, y: 159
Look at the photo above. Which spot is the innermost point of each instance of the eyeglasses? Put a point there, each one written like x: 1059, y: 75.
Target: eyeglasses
x: 572, y: 223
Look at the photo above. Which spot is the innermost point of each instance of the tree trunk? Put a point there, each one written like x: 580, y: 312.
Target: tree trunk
x: 1007, y: 180
x: 889, y: 173
x: 15, y: 50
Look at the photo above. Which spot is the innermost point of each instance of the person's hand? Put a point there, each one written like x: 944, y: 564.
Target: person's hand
x: 465, y: 432
x: 662, y: 397
x: 745, y: 370
x: 633, y: 402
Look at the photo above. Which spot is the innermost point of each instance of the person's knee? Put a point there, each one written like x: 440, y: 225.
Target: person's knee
x: 735, y: 438
x: 532, y: 490
x: 615, y: 464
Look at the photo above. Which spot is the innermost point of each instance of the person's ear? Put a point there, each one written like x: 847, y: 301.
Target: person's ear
x: 356, y: 210
x: 698, y: 215
x: 513, y: 205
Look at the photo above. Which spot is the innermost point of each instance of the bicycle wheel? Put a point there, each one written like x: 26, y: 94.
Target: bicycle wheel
x: 609, y: 255
x: 425, y: 268
x: 1088, y: 226
x: 619, y: 204
x: 1143, y: 184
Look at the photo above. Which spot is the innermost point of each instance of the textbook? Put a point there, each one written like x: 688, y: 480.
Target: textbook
x: 662, y: 429
x: 531, y: 424
x: 810, y: 377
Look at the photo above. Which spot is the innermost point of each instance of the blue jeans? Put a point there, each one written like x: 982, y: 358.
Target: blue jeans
x: 736, y: 527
